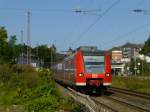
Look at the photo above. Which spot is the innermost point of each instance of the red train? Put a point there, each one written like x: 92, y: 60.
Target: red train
x: 87, y: 69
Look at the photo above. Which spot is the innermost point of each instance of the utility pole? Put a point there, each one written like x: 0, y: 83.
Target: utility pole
x: 142, y: 66
x: 21, y: 47
x: 37, y: 54
x: 51, y: 56
x: 135, y: 67
x: 28, y: 39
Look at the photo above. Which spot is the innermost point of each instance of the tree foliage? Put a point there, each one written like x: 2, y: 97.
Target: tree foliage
x: 49, y: 55
x: 3, y: 43
x: 3, y: 34
x: 143, y: 66
x: 10, y: 50
x: 146, y: 48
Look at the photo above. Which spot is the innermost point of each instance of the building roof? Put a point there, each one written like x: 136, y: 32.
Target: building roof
x: 132, y: 45
x: 128, y: 45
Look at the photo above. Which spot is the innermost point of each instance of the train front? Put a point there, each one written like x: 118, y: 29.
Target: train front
x: 93, y: 70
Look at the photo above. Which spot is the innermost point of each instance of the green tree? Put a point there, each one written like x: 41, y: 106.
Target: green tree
x: 146, y: 48
x: 9, y: 50
x: 143, y: 67
x: 47, y: 54
x: 3, y: 34
x: 44, y: 53
x: 12, y: 48
x: 3, y: 44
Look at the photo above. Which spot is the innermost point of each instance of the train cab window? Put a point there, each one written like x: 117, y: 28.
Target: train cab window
x: 94, y: 64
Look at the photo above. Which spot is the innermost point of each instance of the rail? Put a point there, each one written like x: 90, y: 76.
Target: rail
x: 138, y: 106
x: 92, y: 104
x: 130, y: 92
x: 125, y: 102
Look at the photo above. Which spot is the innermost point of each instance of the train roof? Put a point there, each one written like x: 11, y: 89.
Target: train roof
x: 87, y: 48
x: 90, y: 50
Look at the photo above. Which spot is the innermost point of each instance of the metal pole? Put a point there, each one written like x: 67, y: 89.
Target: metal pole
x: 142, y: 67
x: 28, y: 39
x: 37, y: 55
x: 21, y: 47
x: 135, y: 62
x: 51, y: 57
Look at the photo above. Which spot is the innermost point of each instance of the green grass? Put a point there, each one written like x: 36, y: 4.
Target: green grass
x: 132, y: 83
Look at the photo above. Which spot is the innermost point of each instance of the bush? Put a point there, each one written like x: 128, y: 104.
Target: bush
x: 23, y: 68
x: 43, y: 96
x: 44, y: 104
x: 5, y: 74
x: 36, y: 91
x: 12, y: 76
x: 45, y: 76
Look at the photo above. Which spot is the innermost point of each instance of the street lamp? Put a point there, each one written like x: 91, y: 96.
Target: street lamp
x: 138, y: 71
x: 128, y: 70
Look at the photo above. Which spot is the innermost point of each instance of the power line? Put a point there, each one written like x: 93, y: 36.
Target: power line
x: 49, y: 10
x: 86, y: 11
x: 91, y: 25
x: 127, y: 34
x: 83, y: 13
x: 38, y: 9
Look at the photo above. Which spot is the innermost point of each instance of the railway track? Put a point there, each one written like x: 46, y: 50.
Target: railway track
x: 136, y: 100
x: 117, y: 102
x: 130, y: 92
x: 133, y: 105
x: 92, y: 104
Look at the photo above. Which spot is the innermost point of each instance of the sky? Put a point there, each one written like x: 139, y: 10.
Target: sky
x: 55, y: 22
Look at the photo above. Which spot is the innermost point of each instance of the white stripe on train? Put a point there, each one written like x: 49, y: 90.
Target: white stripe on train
x: 84, y: 84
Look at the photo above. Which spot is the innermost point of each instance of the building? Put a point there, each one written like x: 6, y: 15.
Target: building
x: 69, y: 52
x: 122, y: 55
x: 116, y: 55
x: 35, y: 61
x: 130, y: 50
x: 117, y: 64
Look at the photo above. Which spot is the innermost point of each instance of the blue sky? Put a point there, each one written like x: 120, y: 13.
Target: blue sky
x: 65, y: 28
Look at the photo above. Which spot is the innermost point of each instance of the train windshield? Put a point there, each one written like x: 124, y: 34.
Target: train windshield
x: 94, y: 64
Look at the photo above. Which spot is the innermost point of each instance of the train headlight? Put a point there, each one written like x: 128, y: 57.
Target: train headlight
x: 81, y: 74
x: 107, y: 74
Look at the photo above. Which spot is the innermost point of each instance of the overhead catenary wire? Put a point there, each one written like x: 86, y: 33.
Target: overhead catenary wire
x: 36, y: 9
x: 137, y: 10
x: 48, y: 10
x: 126, y: 34
x: 91, y: 25
x: 86, y: 11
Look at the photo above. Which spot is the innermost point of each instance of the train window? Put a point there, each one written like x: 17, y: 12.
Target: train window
x: 94, y: 64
